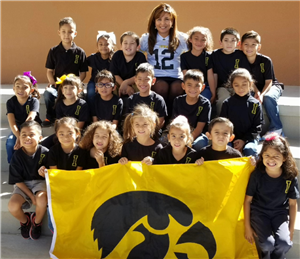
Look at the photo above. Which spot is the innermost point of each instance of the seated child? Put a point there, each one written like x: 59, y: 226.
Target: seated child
x: 179, y: 150
x: 195, y: 107
x: 103, y: 144
x: 144, y: 79
x: 125, y: 62
x: 107, y: 106
x: 245, y: 112
x: 267, y: 89
x: 29, y: 187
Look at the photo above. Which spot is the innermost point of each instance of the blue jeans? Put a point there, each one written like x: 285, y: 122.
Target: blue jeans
x: 271, y: 106
x: 206, y: 92
x: 50, y: 226
x: 200, y: 142
x: 50, y: 95
x: 90, y: 94
x: 250, y: 148
x: 10, y: 143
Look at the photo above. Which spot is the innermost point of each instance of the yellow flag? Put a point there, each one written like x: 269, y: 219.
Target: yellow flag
x: 140, y: 211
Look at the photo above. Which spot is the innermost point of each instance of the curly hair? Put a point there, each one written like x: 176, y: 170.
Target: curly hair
x: 206, y: 33
x: 280, y: 144
x: 115, y: 140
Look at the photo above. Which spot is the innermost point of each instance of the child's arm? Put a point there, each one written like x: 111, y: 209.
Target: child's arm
x: 198, y: 130
x: 115, y: 122
x: 249, y: 232
x: 161, y: 122
x: 125, y: 86
x: 14, y: 128
x: 80, y: 124
x: 184, y: 71
x: 292, y: 214
x: 216, y: 81
x: 82, y: 76
x: 212, y: 85
x: 123, y: 161
x: 148, y: 160
x: 260, y: 95
x: 99, y: 156
x: 239, y: 144
x: 200, y: 161
x: 29, y: 193
x: 50, y: 77
x: 95, y: 118
x: 31, y: 116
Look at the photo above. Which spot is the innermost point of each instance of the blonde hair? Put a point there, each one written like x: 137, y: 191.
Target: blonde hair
x: 205, y: 32
x: 141, y: 110
x: 115, y: 141
x: 181, y: 122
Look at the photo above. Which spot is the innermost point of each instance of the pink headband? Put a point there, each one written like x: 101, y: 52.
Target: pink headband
x: 271, y: 136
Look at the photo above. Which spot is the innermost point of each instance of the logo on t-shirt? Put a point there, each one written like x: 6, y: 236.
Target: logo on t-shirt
x: 27, y: 109
x: 237, y: 61
x: 105, y: 160
x: 77, y: 110
x: 188, y: 160
x: 153, y: 154
x: 262, y: 67
x: 114, y: 109
x: 200, y: 108
x: 206, y: 61
x: 75, y: 157
x: 152, y: 106
x: 76, y: 59
x: 288, y: 184
x: 255, y: 105
x: 41, y: 158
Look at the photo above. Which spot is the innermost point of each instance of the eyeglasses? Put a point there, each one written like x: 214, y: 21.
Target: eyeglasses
x: 106, y: 85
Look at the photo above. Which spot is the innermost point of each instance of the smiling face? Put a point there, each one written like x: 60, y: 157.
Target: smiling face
x: 241, y: 86
x: 273, y: 160
x: 70, y: 92
x: 66, y: 136
x: 198, y: 41
x: 163, y: 24
x: 178, y: 138
x: 101, y: 139
x: 129, y: 46
x: 250, y: 47
x: 104, y: 47
x: 29, y: 139
x: 192, y: 88
x: 229, y: 43
x: 144, y: 81
x: 105, y: 92
x: 141, y: 127
x: 22, y: 89
x: 67, y: 33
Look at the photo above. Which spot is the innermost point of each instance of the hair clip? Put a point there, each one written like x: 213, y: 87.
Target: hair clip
x: 63, y: 78
x: 111, y: 35
x: 271, y: 136
x: 32, y: 78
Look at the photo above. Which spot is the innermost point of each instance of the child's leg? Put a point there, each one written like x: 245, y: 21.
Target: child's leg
x: 10, y: 143
x: 15, y: 207
x: 250, y: 149
x: 50, y: 95
x: 206, y: 91
x: 222, y: 94
x: 200, y: 142
x: 41, y: 206
x: 90, y: 94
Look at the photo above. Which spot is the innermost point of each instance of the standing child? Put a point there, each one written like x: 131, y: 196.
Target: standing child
x: 29, y: 187
x: 195, y: 107
x: 244, y: 111
x: 65, y: 58
x: 100, y: 60
x: 138, y: 131
x: 270, y: 206
x: 23, y: 106
x: 180, y: 139
x: 107, y: 106
x: 103, y: 144
x: 200, y: 44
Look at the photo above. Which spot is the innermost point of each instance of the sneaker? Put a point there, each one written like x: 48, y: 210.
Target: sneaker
x: 25, y: 228
x: 47, y: 123
x: 36, y: 229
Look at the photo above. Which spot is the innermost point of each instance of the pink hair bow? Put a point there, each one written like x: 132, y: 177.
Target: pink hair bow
x: 271, y: 136
x: 32, y: 78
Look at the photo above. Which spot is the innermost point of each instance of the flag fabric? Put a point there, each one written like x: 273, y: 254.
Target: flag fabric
x: 159, y: 211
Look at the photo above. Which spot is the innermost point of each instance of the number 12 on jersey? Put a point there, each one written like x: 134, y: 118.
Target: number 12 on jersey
x: 167, y: 56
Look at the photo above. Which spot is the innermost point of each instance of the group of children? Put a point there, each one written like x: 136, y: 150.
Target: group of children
x: 133, y: 95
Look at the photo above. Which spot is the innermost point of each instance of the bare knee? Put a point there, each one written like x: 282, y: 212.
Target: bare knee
x: 41, y: 199
x: 15, y: 203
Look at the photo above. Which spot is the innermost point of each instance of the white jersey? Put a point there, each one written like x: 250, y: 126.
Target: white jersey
x: 166, y: 63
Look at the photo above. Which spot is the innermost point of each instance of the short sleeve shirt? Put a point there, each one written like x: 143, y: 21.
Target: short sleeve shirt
x: 97, y: 64
x: 209, y: 154
x: 108, y: 160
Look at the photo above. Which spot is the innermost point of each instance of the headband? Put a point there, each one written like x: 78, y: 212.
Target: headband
x: 32, y: 78
x: 111, y: 35
x: 63, y: 78
x: 271, y: 136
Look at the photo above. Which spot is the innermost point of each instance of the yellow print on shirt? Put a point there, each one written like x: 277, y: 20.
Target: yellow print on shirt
x: 77, y: 110
x: 114, y: 110
x: 262, y: 67
x: 164, y: 46
x: 188, y: 160
x: 255, y: 105
x: 27, y: 109
x: 75, y: 157
x: 153, y: 154
x: 105, y: 160
x: 152, y: 106
x: 41, y: 158
x: 206, y: 61
x: 200, y: 108
x: 237, y: 61
x: 76, y: 59
x: 288, y: 184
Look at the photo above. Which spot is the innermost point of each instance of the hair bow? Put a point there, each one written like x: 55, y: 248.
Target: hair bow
x: 110, y: 34
x: 271, y: 136
x: 32, y: 78
x: 63, y: 78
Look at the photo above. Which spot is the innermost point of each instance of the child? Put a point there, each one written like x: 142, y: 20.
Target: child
x: 23, y: 106
x: 244, y: 111
x: 138, y: 130
x: 200, y: 42
x: 220, y: 132
x: 164, y: 44
x: 267, y: 89
x: 103, y: 143
x: 29, y: 187
x: 107, y: 106
x: 270, y: 206
x: 225, y: 60
x: 100, y: 60
x: 125, y: 62
x: 195, y: 107
x: 144, y: 79
x: 65, y: 58
x: 180, y: 139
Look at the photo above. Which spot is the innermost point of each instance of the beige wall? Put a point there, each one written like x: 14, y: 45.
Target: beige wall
x: 29, y: 29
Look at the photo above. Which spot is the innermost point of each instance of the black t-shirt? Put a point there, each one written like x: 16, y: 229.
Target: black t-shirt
x: 120, y: 67
x: 134, y: 151
x: 155, y: 101
x: 209, y: 154
x: 246, y: 115
x: 165, y: 156
x: 202, y: 62
x: 198, y: 112
x: 21, y: 111
x: 78, y: 110
x: 71, y: 61
x: 92, y: 163
x: 24, y: 167
x: 108, y: 110
x: 271, y: 193
x: 64, y: 161
x: 97, y: 64
x: 262, y: 70
x: 224, y: 64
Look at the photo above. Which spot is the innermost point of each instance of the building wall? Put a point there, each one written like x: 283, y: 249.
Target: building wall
x: 29, y: 29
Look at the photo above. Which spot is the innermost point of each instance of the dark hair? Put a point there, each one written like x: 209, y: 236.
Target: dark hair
x: 70, y: 79
x: 251, y: 35
x: 156, y: 13
x: 70, y: 122
x: 105, y: 74
x: 145, y: 68
x: 111, y: 42
x: 226, y: 121
x: 280, y: 144
x: 205, y: 32
x: 131, y: 34
x: 194, y: 74
x: 230, y: 31
x: 32, y: 124
x: 35, y: 93
x: 239, y: 72
x: 66, y: 20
